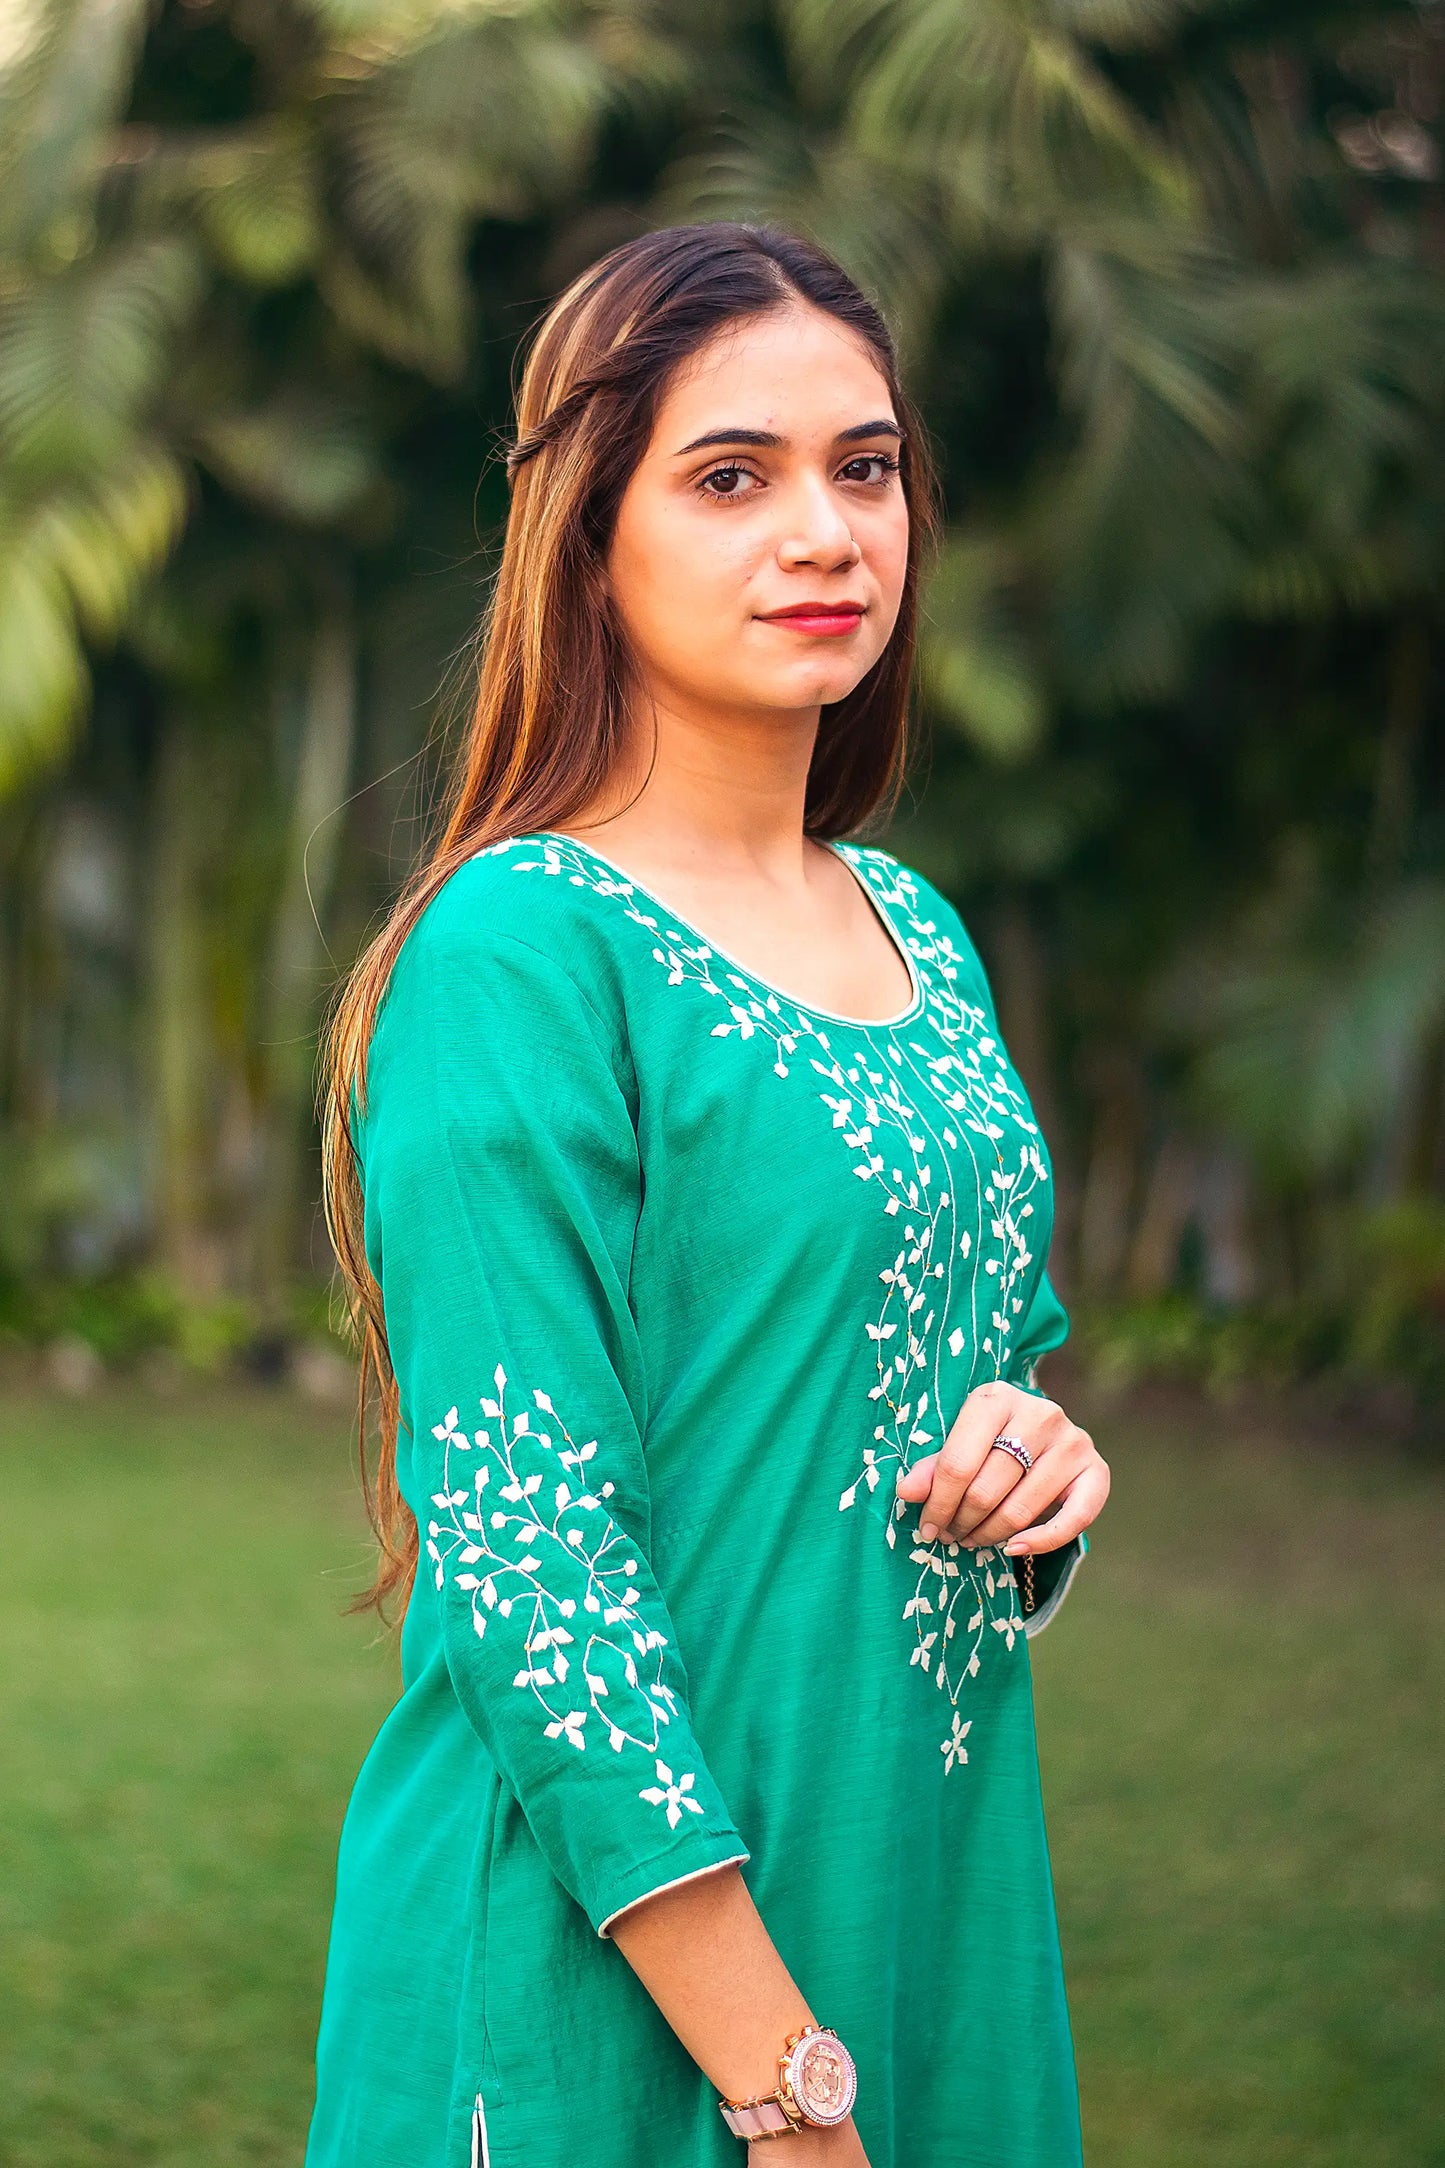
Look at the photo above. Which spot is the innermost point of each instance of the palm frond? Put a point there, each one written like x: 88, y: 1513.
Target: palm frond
x: 258, y: 196
x: 1308, y: 1026
x: 84, y: 354
x: 977, y: 669
x: 303, y: 456
x: 495, y: 120
x: 1148, y: 526
x: 70, y: 571
x: 1010, y: 114
x: 757, y: 164
x: 65, y: 73
x: 1348, y: 372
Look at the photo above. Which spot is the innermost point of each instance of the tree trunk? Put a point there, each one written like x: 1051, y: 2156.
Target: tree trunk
x: 1106, y: 1209
x: 1407, y: 705
x: 175, y: 1015
x: 1169, y: 1197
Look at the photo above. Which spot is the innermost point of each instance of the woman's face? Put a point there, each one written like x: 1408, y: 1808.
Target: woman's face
x: 770, y: 483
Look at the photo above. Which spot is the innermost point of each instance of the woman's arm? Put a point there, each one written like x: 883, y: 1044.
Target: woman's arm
x: 502, y: 1189
x: 703, y: 1954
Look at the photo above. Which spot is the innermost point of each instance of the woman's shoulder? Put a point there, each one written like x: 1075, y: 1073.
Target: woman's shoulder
x: 491, y: 976
x: 501, y: 949
x: 507, y: 897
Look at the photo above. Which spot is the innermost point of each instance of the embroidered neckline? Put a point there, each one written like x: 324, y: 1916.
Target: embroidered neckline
x: 873, y: 1094
x: 850, y: 856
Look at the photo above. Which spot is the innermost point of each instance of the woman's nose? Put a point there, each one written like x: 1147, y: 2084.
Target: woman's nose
x: 816, y: 529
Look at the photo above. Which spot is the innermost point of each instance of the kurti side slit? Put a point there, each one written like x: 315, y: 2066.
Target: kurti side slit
x: 678, y: 1273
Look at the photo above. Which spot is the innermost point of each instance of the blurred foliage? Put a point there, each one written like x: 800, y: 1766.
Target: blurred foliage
x: 1374, y: 1345
x: 124, y: 1317
x: 1168, y: 283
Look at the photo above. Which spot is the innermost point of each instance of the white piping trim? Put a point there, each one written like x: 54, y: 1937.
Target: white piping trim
x: 1040, y: 1619
x: 674, y: 1884
x: 481, y: 2157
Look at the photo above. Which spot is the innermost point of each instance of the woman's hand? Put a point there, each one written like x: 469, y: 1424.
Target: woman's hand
x: 975, y: 1493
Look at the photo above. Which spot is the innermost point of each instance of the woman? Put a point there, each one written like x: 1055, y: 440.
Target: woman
x: 696, y: 1223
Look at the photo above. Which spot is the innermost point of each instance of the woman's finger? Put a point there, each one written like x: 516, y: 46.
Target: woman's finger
x: 1046, y: 1483
x: 944, y: 1475
x: 1083, y: 1502
x: 1040, y: 1427
x: 989, y: 1410
x: 913, y: 1481
x: 1026, y: 1502
x: 999, y: 1475
x: 1057, y: 1455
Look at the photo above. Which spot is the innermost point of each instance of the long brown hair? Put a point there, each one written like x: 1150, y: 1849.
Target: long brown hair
x: 553, y: 674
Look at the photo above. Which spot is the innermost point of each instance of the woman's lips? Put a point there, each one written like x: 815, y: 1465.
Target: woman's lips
x: 825, y: 619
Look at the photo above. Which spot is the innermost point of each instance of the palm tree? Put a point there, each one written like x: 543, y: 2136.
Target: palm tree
x: 1167, y: 284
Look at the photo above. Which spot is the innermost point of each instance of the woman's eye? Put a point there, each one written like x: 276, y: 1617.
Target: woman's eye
x: 730, y: 477
x: 728, y: 484
x: 885, y: 460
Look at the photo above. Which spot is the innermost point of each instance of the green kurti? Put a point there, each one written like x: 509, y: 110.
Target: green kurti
x: 678, y: 1272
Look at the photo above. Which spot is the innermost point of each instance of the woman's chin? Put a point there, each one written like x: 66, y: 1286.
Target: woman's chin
x: 790, y: 690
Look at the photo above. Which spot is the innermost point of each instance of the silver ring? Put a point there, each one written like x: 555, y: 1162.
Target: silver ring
x: 1019, y: 1450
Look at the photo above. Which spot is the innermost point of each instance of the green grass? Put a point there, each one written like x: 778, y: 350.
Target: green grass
x: 1241, y: 1723
x: 184, y: 1708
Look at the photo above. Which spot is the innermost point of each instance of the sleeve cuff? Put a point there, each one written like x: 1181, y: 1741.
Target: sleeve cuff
x: 648, y: 1877
x: 1053, y: 1577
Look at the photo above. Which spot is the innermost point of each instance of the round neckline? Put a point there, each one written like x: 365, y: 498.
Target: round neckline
x: 806, y: 1008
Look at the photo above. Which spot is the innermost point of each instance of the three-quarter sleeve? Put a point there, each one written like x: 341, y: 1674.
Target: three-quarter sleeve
x: 502, y: 1185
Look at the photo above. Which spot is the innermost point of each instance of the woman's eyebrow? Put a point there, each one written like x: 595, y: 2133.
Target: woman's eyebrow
x: 769, y: 438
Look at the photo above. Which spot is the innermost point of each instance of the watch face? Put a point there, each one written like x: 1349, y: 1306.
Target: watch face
x: 824, y: 2081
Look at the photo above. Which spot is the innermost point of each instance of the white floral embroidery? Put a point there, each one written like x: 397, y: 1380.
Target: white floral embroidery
x: 519, y: 1531
x: 675, y: 1797
x: 953, y: 1747
x: 937, y: 1094
x: 953, y: 1580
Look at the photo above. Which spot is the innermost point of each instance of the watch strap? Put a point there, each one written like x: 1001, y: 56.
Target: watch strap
x: 762, y: 2118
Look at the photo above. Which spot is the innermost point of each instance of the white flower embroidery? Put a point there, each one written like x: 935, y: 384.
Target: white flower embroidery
x: 938, y: 1094
x: 538, y: 1550
x: 953, y: 1747
x: 678, y: 1794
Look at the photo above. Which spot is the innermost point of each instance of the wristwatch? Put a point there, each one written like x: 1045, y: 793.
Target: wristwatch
x: 817, y: 2083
